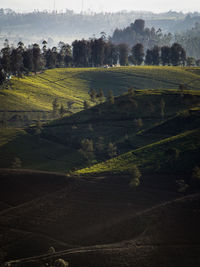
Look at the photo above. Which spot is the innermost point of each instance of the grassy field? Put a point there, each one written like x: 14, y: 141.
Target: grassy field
x: 38, y: 92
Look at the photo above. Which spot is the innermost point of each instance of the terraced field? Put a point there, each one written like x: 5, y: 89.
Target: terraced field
x: 38, y: 92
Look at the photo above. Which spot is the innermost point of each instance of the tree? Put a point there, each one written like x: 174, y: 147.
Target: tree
x: 182, y: 185
x: 51, y: 58
x: 138, y: 123
x: 123, y: 54
x: 28, y: 60
x: 61, y: 263
x: 138, y: 25
x: 16, y: 60
x: 90, y: 128
x: 51, y: 250
x: 196, y: 173
x: 150, y: 107
x: 62, y: 111
x: 17, y: 163
x: 165, y: 55
x: 55, y: 107
x: 190, y: 61
x: 131, y: 92
x: 110, y: 98
x: 92, y: 95
x: 178, y: 54
x: 156, y: 55
x: 87, y: 149
x: 65, y: 54
x: 97, y: 51
x: 110, y: 54
x: 100, y: 145
x: 5, y: 59
x: 86, y: 105
x: 38, y: 128
x: 149, y: 57
x: 162, y: 108
x: 2, y: 76
x: 36, y: 58
x: 172, y: 154
x: 69, y: 105
x: 112, y: 150
x: 135, y: 176
x: 138, y: 53
x: 101, y: 95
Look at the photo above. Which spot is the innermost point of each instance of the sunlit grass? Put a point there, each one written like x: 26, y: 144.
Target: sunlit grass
x: 37, y: 92
x: 148, y: 156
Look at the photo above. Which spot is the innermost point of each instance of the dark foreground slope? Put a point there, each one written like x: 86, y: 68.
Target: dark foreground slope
x: 70, y: 212
x: 166, y: 235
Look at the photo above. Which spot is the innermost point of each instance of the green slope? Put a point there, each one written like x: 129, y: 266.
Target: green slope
x: 38, y: 92
x: 153, y: 156
x: 57, y: 147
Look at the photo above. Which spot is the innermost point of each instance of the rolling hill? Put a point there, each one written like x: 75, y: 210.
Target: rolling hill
x: 57, y: 147
x: 154, y: 156
x: 86, y: 209
x: 36, y: 92
x: 97, y: 222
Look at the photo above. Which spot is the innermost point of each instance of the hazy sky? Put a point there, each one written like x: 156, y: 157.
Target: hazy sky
x: 103, y: 5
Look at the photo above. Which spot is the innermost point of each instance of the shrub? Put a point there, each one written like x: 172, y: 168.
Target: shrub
x: 196, y: 173
x: 112, y: 150
x: 17, y: 163
x: 87, y: 149
x: 61, y: 263
x: 182, y: 186
x: 86, y: 105
x: 135, y: 176
x: 110, y: 98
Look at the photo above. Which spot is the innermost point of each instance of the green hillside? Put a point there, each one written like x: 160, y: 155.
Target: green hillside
x: 37, y: 92
x: 57, y: 147
x: 154, y: 156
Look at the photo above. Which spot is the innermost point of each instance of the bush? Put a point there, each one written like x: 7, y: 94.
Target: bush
x: 61, y: 263
x: 196, y: 174
x: 17, y: 163
x: 135, y: 176
x: 112, y: 150
x: 182, y: 186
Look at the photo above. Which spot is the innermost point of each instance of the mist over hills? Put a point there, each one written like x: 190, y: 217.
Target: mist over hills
x: 67, y: 26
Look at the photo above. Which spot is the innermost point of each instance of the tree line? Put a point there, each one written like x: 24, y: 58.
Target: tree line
x: 95, y: 52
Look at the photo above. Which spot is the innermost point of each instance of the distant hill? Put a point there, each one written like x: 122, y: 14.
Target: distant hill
x: 67, y: 26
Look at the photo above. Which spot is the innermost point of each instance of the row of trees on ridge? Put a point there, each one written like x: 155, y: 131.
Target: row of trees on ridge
x: 83, y: 53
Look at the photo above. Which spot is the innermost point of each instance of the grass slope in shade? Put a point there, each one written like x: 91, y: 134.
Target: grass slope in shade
x: 151, y: 156
x: 38, y: 92
x: 57, y: 147
x: 36, y: 153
